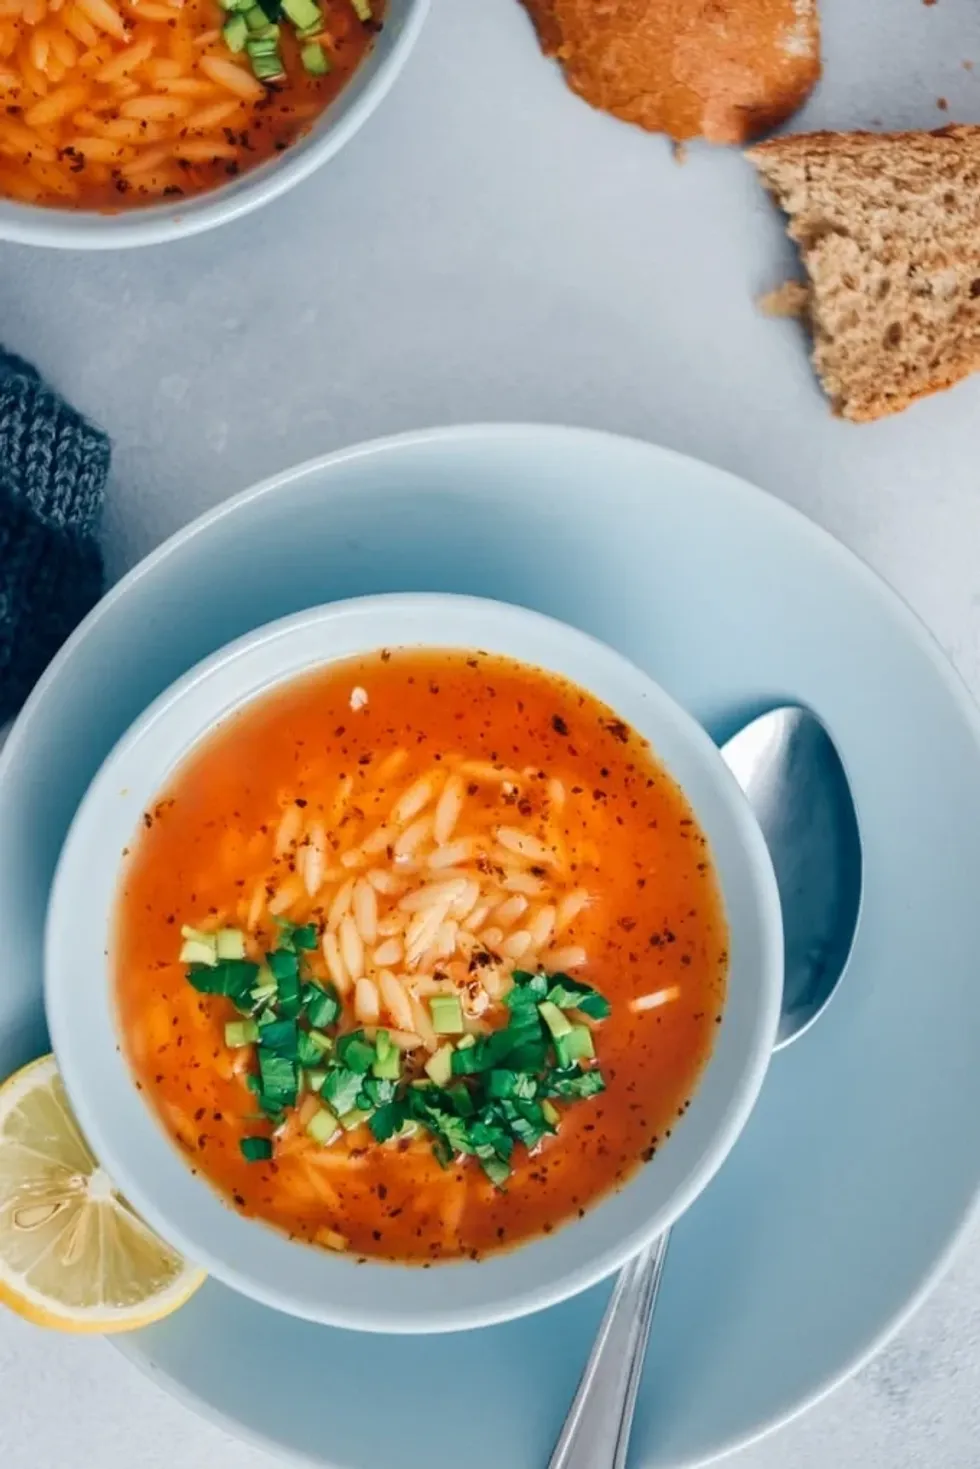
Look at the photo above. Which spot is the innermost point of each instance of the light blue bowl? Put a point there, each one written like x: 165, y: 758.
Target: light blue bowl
x: 74, y: 229
x: 247, y: 1254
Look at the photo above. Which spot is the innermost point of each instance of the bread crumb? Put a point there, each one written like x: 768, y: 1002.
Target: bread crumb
x: 791, y: 299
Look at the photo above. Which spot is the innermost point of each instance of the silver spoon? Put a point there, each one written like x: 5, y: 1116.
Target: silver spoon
x: 789, y: 768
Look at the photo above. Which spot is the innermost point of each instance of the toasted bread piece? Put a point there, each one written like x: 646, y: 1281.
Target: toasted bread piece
x: 888, y: 226
x: 728, y: 70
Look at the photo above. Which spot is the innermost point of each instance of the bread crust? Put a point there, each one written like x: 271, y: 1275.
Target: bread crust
x: 725, y: 70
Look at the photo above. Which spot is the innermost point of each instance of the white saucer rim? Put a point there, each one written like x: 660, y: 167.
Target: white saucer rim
x: 735, y: 484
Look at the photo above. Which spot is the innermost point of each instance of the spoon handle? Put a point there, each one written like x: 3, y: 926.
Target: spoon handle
x: 596, y: 1432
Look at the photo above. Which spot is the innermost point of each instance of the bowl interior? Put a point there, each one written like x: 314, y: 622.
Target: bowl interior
x: 253, y: 1257
x: 155, y: 224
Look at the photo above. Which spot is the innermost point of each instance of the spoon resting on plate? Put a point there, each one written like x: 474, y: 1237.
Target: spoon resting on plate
x: 789, y: 768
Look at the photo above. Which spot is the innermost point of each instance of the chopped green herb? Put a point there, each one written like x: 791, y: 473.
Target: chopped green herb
x: 256, y: 1149
x: 341, y: 1088
x: 377, y: 1091
x: 231, y: 977
x: 447, y: 1015
x: 573, y: 1082
x: 527, y: 987
x: 571, y: 994
x: 496, y: 1169
x: 387, y: 1121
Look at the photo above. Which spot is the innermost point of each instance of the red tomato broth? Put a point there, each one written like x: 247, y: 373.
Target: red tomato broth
x: 82, y: 134
x: 655, y: 920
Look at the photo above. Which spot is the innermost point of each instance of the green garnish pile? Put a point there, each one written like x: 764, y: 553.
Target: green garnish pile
x: 479, y: 1096
x: 255, y: 27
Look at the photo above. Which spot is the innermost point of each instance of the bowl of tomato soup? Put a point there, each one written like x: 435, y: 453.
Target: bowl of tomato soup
x: 130, y: 122
x: 412, y: 962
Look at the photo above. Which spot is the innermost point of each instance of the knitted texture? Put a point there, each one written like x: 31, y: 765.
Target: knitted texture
x: 53, y: 469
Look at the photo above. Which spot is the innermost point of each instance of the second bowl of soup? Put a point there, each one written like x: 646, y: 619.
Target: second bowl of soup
x: 412, y: 962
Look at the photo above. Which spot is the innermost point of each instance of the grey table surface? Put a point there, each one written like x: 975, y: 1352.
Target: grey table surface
x: 489, y: 248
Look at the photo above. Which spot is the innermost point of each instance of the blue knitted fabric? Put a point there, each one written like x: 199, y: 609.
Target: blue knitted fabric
x: 53, y: 469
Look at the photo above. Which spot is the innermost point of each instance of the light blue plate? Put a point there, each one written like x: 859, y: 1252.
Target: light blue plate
x: 862, y: 1159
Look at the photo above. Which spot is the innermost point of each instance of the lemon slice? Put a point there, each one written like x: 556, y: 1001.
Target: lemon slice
x: 73, y: 1255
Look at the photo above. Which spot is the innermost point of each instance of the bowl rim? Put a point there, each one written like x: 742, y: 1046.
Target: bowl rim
x: 159, y: 224
x: 433, y: 1315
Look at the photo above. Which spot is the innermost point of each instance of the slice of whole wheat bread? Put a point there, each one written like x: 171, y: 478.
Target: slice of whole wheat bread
x: 888, y: 226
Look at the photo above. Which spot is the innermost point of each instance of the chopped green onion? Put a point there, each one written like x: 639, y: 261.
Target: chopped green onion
x: 231, y: 943
x: 290, y: 1003
x: 256, y: 1149
x: 266, y: 65
x: 279, y: 1079
x: 314, y: 60
x: 501, y: 1083
x: 306, y: 937
x: 322, y: 1042
x: 323, y: 1126
x: 234, y: 32
x: 255, y: 18
x: 281, y: 961
x: 466, y: 1043
x: 354, y: 1051
x: 447, y: 1014
x: 551, y: 1113
x: 315, y: 1077
x: 198, y: 948
x: 240, y: 1033
x: 553, y: 1018
x: 281, y: 1036
x: 322, y: 1005
x: 302, y: 13
x: 576, y: 1045
x: 308, y: 1052
x: 439, y: 1067
x: 362, y: 10
x: 354, y: 1119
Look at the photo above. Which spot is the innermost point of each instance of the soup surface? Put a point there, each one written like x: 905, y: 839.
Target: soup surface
x: 106, y: 104
x: 420, y: 956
